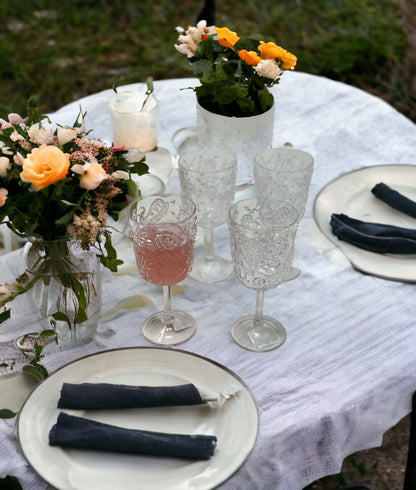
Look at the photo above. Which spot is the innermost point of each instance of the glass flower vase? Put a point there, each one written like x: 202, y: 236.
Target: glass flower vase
x: 66, y: 292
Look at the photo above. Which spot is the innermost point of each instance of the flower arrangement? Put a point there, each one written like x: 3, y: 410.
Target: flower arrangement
x: 235, y: 72
x: 57, y: 183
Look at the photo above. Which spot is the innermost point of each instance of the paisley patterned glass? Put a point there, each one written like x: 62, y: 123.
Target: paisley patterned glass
x: 163, y: 229
x: 262, y: 235
x: 284, y: 173
x: 207, y: 177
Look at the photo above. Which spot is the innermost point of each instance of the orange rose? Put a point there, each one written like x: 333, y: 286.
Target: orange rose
x: 93, y: 176
x: 226, y: 37
x: 250, y: 57
x: 45, y: 166
x: 270, y: 51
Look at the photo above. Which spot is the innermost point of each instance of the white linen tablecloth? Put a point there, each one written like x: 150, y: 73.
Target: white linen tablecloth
x: 347, y: 370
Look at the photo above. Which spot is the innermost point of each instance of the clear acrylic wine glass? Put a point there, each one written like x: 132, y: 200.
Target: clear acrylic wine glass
x: 207, y: 177
x: 163, y: 230
x: 262, y: 235
x: 284, y: 173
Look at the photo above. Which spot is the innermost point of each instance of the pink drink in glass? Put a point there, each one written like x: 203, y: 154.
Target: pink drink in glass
x: 164, y: 253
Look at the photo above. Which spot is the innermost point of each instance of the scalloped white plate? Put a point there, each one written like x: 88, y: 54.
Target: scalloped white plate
x: 235, y: 424
x: 351, y: 194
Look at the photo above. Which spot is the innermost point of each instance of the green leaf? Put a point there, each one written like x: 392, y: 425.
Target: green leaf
x: 5, y: 413
x: 38, y: 371
x: 201, y: 66
x: 4, y: 315
x: 110, y: 261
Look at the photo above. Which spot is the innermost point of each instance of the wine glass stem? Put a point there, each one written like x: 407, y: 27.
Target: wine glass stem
x: 258, y: 315
x: 167, y: 299
x: 208, y: 244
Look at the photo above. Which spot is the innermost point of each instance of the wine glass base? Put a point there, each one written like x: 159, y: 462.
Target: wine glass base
x: 155, y: 330
x: 292, y: 274
x: 215, y: 270
x: 271, y: 336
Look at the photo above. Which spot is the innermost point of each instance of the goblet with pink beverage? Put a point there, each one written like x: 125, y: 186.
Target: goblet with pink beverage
x: 163, y: 230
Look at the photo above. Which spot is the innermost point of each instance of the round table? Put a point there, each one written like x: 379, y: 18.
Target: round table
x: 347, y: 370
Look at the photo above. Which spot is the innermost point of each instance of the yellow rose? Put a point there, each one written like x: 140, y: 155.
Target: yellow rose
x: 270, y: 51
x: 250, y: 57
x: 45, y: 166
x: 226, y: 37
x: 92, y: 176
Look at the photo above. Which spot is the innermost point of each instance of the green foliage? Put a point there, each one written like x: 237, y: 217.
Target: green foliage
x: 57, y: 52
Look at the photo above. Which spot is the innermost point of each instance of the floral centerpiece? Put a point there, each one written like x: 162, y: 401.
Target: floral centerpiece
x: 235, y: 72
x: 57, y: 187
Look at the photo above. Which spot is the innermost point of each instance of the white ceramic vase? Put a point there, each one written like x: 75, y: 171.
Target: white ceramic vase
x: 246, y: 136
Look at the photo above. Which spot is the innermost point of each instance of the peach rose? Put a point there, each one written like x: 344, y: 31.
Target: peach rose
x: 92, y: 177
x: 3, y: 196
x: 45, y: 166
x: 226, y: 37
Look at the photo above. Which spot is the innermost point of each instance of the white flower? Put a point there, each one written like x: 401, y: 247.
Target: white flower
x: 269, y: 69
x: 66, y: 134
x: 4, y: 166
x: 184, y: 49
x: 15, y: 119
x: 134, y: 155
x: 79, y: 169
x: 40, y: 135
x: 120, y: 174
x: 15, y: 136
x: 18, y: 159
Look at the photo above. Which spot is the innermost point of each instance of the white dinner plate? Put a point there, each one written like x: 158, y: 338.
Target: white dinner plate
x: 351, y: 194
x: 235, y: 423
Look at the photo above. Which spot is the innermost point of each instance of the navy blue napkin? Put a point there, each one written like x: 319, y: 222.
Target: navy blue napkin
x: 77, y: 432
x: 375, y: 237
x: 394, y: 199
x: 113, y: 396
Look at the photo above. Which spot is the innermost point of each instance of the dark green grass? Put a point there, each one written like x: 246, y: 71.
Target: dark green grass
x: 58, y: 51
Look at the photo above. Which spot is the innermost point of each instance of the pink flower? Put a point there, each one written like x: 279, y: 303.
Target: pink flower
x: 3, y: 196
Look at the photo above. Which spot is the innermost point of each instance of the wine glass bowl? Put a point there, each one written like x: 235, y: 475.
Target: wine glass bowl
x: 163, y: 230
x: 284, y: 173
x: 262, y: 237
x: 207, y: 177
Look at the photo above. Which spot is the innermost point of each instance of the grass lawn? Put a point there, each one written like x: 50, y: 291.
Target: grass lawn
x: 56, y: 52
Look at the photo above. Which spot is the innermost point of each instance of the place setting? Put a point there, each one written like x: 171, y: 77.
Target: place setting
x: 370, y: 215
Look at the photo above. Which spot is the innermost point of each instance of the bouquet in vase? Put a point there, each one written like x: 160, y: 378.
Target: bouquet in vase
x: 57, y: 188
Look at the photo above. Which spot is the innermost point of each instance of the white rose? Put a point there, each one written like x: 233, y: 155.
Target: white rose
x: 40, y: 135
x: 4, y: 166
x: 66, y: 134
x: 269, y: 69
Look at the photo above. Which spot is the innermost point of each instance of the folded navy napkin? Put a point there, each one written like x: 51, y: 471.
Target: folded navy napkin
x: 394, y: 199
x: 375, y: 237
x: 77, y: 432
x: 113, y: 396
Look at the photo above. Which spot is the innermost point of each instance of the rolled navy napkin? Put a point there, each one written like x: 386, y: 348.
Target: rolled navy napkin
x: 394, y: 199
x: 375, y: 237
x: 113, y: 396
x: 77, y: 432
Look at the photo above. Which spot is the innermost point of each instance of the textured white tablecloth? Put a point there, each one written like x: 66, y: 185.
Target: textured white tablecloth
x: 348, y: 367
